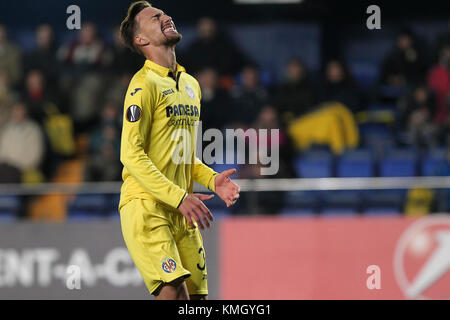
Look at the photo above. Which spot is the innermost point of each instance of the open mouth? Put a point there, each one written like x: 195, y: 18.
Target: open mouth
x: 169, y: 28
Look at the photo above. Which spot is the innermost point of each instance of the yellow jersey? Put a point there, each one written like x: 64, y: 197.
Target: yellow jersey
x: 161, y: 114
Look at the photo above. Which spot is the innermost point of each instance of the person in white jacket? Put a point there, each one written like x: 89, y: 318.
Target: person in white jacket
x: 21, y: 145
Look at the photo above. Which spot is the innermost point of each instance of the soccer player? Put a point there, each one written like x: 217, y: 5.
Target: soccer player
x: 160, y: 214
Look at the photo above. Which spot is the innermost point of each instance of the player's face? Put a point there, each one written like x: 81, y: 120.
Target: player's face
x: 156, y: 28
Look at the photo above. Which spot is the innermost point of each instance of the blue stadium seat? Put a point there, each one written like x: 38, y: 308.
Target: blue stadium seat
x: 372, y: 200
x: 338, y: 212
x: 365, y: 73
x: 379, y: 211
x: 112, y: 205
x: 9, y: 207
x: 301, y: 201
x: 399, y: 163
x: 364, y: 56
x: 376, y: 136
x: 7, y: 216
x: 357, y: 163
x: 391, y: 92
x: 340, y: 201
x: 314, y: 164
x: 433, y: 161
x: 292, y: 211
x: 88, y: 206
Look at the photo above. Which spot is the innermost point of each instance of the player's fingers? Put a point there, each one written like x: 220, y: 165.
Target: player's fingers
x: 205, y: 221
x: 206, y: 211
x: 229, y: 172
x: 202, y: 213
x: 197, y: 214
x: 189, y: 220
x: 204, y: 196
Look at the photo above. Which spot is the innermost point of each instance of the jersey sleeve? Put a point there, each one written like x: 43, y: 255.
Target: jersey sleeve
x: 204, y: 174
x: 138, y: 111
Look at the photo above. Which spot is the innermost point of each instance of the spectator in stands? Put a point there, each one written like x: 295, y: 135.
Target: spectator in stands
x: 215, y: 100
x: 10, y: 58
x: 416, y: 114
x: 249, y: 97
x: 116, y: 89
x: 107, y: 130
x: 339, y: 86
x: 21, y: 145
x: 43, y: 57
x: 104, y: 166
x: 296, y: 95
x: 439, y: 82
x: 87, y: 52
x: 405, y: 64
x: 268, y: 119
x: 5, y: 99
x: 36, y: 96
x: 213, y: 48
x: 269, y: 203
x: 103, y: 163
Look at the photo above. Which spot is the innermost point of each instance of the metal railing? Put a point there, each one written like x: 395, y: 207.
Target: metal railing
x: 246, y: 185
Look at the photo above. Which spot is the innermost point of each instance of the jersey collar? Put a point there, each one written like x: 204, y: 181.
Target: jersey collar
x: 163, y: 71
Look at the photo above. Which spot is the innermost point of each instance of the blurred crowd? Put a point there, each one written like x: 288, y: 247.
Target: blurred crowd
x: 57, y: 92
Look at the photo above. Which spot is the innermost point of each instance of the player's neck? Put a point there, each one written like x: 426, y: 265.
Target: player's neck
x: 164, y: 56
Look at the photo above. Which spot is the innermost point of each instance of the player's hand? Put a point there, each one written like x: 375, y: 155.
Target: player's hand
x: 226, y: 189
x: 192, y: 208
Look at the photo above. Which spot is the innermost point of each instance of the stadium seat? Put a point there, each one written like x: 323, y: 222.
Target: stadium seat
x: 340, y: 201
x: 432, y: 162
x: 364, y: 56
x: 88, y: 206
x: 376, y: 136
x: 357, y: 163
x: 301, y: 201
x: 379, y: 200
x: 112, y: 206
x: 399, y: 163
x: 7, y: 216
x: 364, y: 72
x: 339, y: 212
x: 314, y: 164
x: 381, y: 211
x: 292, y: 211
x: 9, y: 207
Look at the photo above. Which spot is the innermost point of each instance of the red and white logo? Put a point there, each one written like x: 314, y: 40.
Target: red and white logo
x: 422, y: 259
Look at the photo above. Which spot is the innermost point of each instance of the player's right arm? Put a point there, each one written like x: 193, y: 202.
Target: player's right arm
x: 138, y: 111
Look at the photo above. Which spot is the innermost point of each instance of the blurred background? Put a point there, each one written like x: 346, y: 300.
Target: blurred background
x: 364, y: 143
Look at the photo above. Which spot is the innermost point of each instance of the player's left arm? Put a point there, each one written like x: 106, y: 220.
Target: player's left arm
x: 220, y: 183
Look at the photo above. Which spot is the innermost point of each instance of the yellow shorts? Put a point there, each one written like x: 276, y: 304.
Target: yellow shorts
x: 163, y: 245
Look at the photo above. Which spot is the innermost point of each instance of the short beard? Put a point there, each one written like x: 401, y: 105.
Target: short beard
x: 174, y: 40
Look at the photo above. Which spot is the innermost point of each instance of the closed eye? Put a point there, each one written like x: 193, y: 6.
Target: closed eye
x: 158, y: 15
